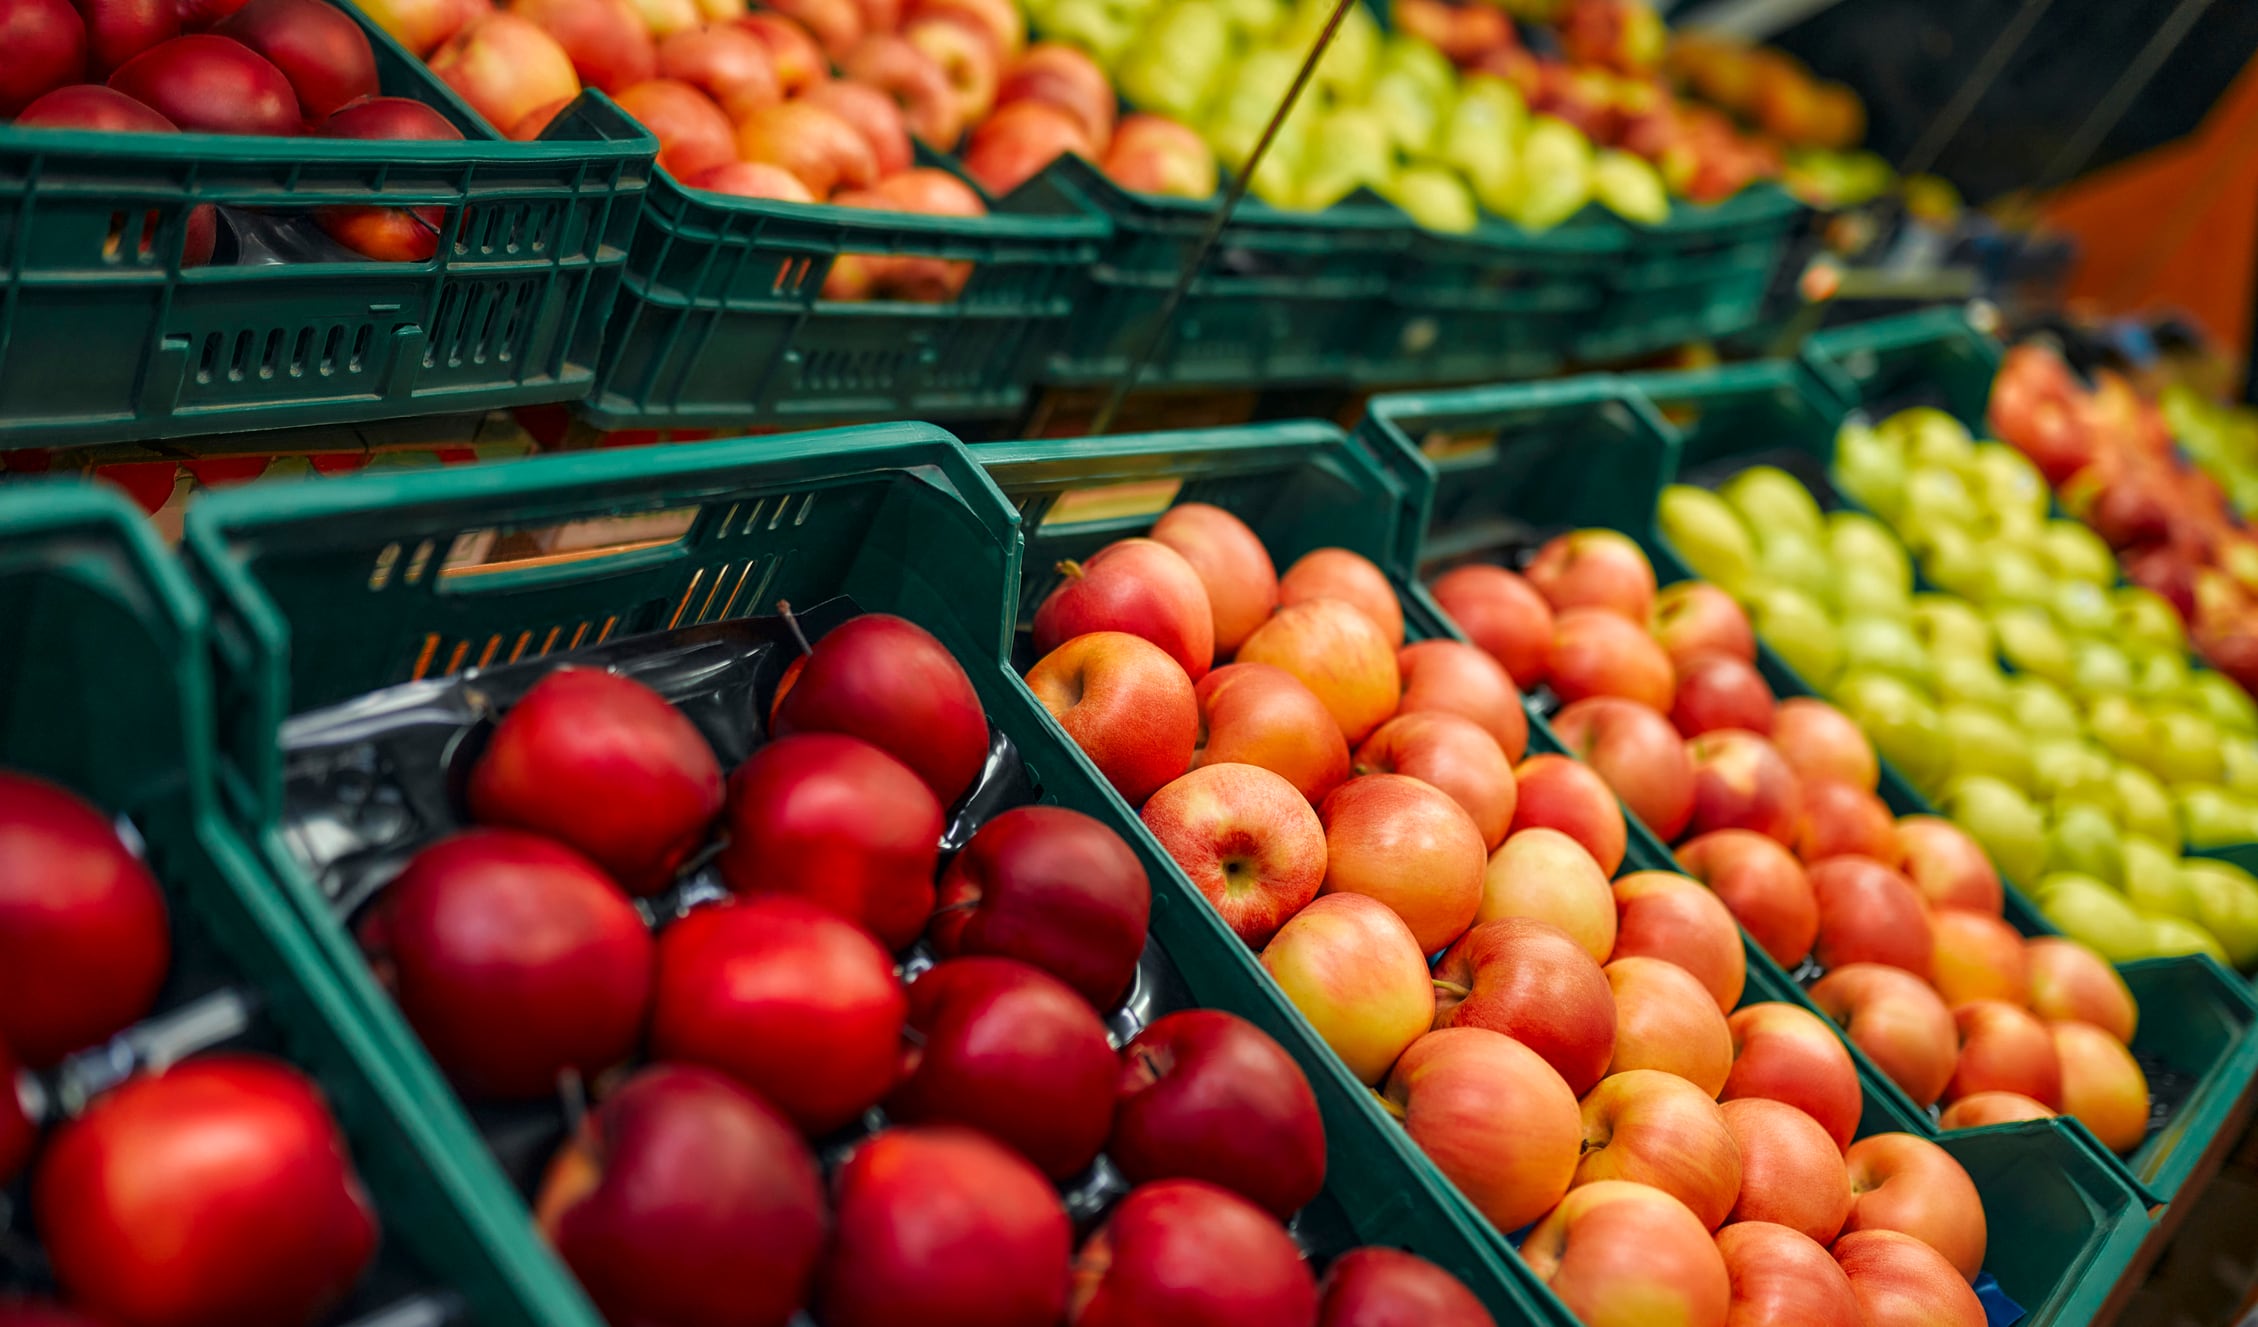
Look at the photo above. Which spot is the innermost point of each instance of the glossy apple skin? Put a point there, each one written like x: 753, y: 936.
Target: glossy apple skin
x: 1596, y: 652
x: 1762, y: 885
x: 1981, y: 1108
x: 1532, y: 982
x: 836, y: 821
x: 788, y: 998
x: 218, y: 1191
x: 1821, y: 742
x: 1665, y: 1020
x: 1053, y: 888
x: 1185, y: 1252
x: 118, y: 30
x: 1456, y: 678
x: 514, y: 959
x: 603, y: 765
x: 1782, y: 1279
x: 1256, y: 714
x: 1654, y: 1128
x: 1206, y: 1095
x: 1502, y: 614
x: 1140, y: 586
x: 1641, y: 757
x: 941, y: 1226
x: 1557, y: 792
x: 827, y: 153
x: 1870, y: 914
x: 1337, y: 573
x: 1898, y: 1020
x: 726, y: 63
x: 1011, y: 1051
x: 1338, y: 653
x: 1740, y: 782
x: 1407, y: 844
x: 1494, y: 1117
x: 16, y: 1312
x: 1901, y: 1282
x: 1946, y: 866
x: 1839, y: 820
x: 1692, y: 619
x: 1600, y: 569
x: 93, y: 106
x: 207, y: 83
x: 1623, y: 1255
x: 2068, y: 981
x: 610, y: 45
x: 1128, y: 705
x: 1792, y: 1174
x: 47, y: 46
x: 1660, y: 914
x: 1228, y: 557
x: 1910, y: 1185
x: 1716, y: 691
x: 2102, y: 1085
x: 325, y: 55
x: 888, y: 62
x: 84, y: 944
x: 1250, y: 844
x: 1785, y: 1053
x: 1382, y: 1287
x: 687, y: 1199
x: 391, y: 234
x: 1976, y: 956
x: 1452, y: 754
x: 1070, y: 80
x: 1349, y: 964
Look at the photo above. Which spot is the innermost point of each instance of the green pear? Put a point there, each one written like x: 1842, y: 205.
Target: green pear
x: 2171, y: 936
x: 1480, y: 138
x: 2066, y: 770
x: 2030, y: 642
x: 2076, y: 553
x: 2007, y: 481
x: 1887, y: 645
x: 1773, y: 501
x: 1868, y: 591
x: 1178, y: 60
x: 1800, y: 632
x: 1242, y: 111
x: 2214, y: 818
x: 2160, y: 675
x: 2229, y: 705
x: 1856, y: 540
x: 2093, y: 914
x: 1346, y: 69
x: 2041, y: 709
x: 2152, y: 878
x: 2084, y: 839
x: 1253, y: 20
x: 1433, y: 196
x: 1932, y: 437
x: 2012, y: 576
x: 1967, y: 679
x: 2023, y: 531
x: 1950, y: 625
x: 2143, y: 807
x: 1350, y: 148
x: 2145, y: 619
x: 1788, y: 557
x: 1870, y: 469
x: 1556, y: 174
x: 2001, y: 819
x: 1903, y: 726
x: 2082, y: 608
x: 2188, y: 749
x: 1939, y: 494
x: 2123, y: 728
x: 1104, y: 30
x: 1955, y: 561
x: 1402, y: 53
x: 1630, y: 187
x: 2099, y: 669
x: 1412, y: 111
x: 1984, y: 742
x: 2238, y: 765
x: 1705, y: 531
x: 2226, y: 903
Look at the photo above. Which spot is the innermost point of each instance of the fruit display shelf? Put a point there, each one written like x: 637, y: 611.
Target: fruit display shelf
x: 97, y: 607
x: 1700, y: 274
x: 1597, y: 451
x: 896, y: 517
x: 2078, y: 1217
x: 1935, y: 357
x: 106, y: 334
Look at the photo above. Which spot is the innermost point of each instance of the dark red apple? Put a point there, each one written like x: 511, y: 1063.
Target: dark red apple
x: 200, y: 15
x: 887, y: 681
x: 1013, y: 1052
x: 83, y: 939
x: 46, y: 45
x: 411, y: 235
x: 1207, y: 1095
x: 218, y: 1191
x: 839, y: 822
x: 514, y: 959
x: 92, y: 106
x: 118, y: 30
x: 1379, y: 1287
x: 323, y: 53
x: 687, y: 1200
x: 1188, y: 1254
x: 209, y: 84
x: 787, y: 998
x: 40, y: 1313
x: 1050, y: 887
x: 943, y: 1227
x: 1717, y: 691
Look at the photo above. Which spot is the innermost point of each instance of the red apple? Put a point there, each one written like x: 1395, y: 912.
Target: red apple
x: 1596, y: 652
x: 822, y: 149
x: 969, y: 59
x: 1949, y: 868
x: 1665, y: 1020
x: 1762, y: 885
x: 607, y: 40
x: 1013, y: 145
x: 1382, y: 1287
x: 1792, y: 1172
x: 873, y: 114
x: 394, y: 234
x: 1715, y: 692
x: 1407, y: 844
x: 1501, y: 613
x: 942, y: 1227
x: 16, y: 1312
x: 118, y: 30
x: 1692, y: 619
x: 1660, y: 914
x: 1897, y: 1020
x: 799, y: 62
x: 1248, y: 840
x: 1910, y: 1185
x: 1152, y: 154
x: 1452, y: 754
x: 1785, y: 1053
x: 1976, y: 956
x: 1740, y: 782
x: 217, y: 1191
x: 1256, y: 714
x: 1352, y: 578
x: 92, y: 106
x: 1981, y: 1108
x: 506, y: 68
x: 1233, y: 566
x: 724, y: 61
x: 1187, y: 1253
x: 211, y: 84
x: 1531, y: 981
x: 1654, y: 1128
x: 1557, y: 793
x: 2068, y: 981
x: 514, y: 959
x: 1140, y: 586
x: 47, y: 49
x: 1901, y: 1282
x: 685, y: 1198
x: 1869, y: 914
x: 1601, y: 569
x: 1494, y: 1118
x: 1782, y: 1279
x: 1642, y: 758
x: 998, y: 21
x: 1821, y: 742
x: 2103, y: 1087
x: 755, y: 179
x: 1465, y: 33
x: 1128, y: 706
x: 1843, y: 820
x: 1207, y: 1095
x: 1338, y: 653
x: 1626, y: 1255
x: 1452, y: 677
x: 694, y: 136
x: 1062, y: 75
x: 1349, y: 964
x: 84, y: 944
x: 887, y: 681
x: 1053, y: 888
x: 422, y: 26
x: 1542, y: 873
x: 325, y: 55
x: 914, y: 80
x: 836, y: 25
x: 792, y: 1001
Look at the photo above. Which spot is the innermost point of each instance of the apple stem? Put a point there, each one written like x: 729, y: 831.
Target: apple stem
x: 1070, y: 569
x: 784, y: 610
x: 1389, y: 1106
x: 1452, y: 988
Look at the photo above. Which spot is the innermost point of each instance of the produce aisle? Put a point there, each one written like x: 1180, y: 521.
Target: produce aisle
x: 1094, y: 663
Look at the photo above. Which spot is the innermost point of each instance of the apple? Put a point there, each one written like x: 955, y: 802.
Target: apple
x: 1232, y: 565
x: 968, y: 59
x: 819, y: 146
x: 1062, y: 75
x: 1382, y: 1287
x: 941, y: 1226
x: 1248, y: 840
x: 422, y: 26
x: 889, y: 682
x: 1450, y: 754
x: 1152, y: 154
x: 1842, y: 819
x: 84, y: 941
x: 2004, y: 1049
x: 610, y: 47
x: 1452, y: 677
x: 1601, y: 569
x: 914, y: 80
x: 1531, y: 981
x: 1715, y: 692
x: 390, y: 234
x: 206, y: 83
x: 1978, y: 1109
x: 1946, y: 866
x: 1898, y: 1021
x: 1976, y: 956
x: 1792, y: 1171
x: 1257, y: 714
x: 1899, y: 1281
x: 1544, y: 874
x: 1660, y: 914
x: 1053, y: 888
x: 1185, y: 1251
x: 1694, y: 619
x: 724, y: 61
x: 1206, y: 1095
x: 47, y: 46
x: 1338, y: 653
x: 1338, y: 573
x: 1740, y: 782
x: 40, y: 1313
x: 506, y: 67
x: 799, y: 62
x: 1655, y: 1128
x: 1762, y: 885
x: 997, y: 20
x: 1642, y: 758
x: 1782, y: 1279
x: 1140, y: 586
x: 1869, y: 913
x: 92, y: 106
x: 873, y: 114
x: 1502, y: 614
x: 685, y: 1198
x: 1556, y: 793
x: 1597, y: 652
x: 325, y: 54
x: 1665, y: 1020
x: 1705, y: 530
x: 1621, y: 1255
x: 1910, y: 1185
x: 1126, y: 703
x: 1785, y: 1053
x: 2102, y: 1086
x: 1352, y: 968
x: 1494, y: 1118
x: 218, y: 1190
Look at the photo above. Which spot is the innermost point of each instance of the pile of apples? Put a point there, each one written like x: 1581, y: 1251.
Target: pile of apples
x: 773, y: 1022
x: 1564, y: 1060
x: 218, y: 1189
x: 280, y: 68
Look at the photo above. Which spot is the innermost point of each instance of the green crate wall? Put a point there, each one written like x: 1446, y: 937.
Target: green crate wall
x: 1933, y: 357
x: 1701, y: 273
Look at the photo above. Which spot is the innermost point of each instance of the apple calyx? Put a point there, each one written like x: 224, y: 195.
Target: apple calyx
x: 1147, y: 1066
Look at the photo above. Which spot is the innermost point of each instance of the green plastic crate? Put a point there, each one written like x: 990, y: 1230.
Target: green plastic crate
x: 1306, y: 485
x: 721, y: 320
x: 1497, y: 302
x: 1936, y: 357
x: 103, y: 688
x: 104, y: 337
x: 1700, y: 274
x: 896, y: 516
